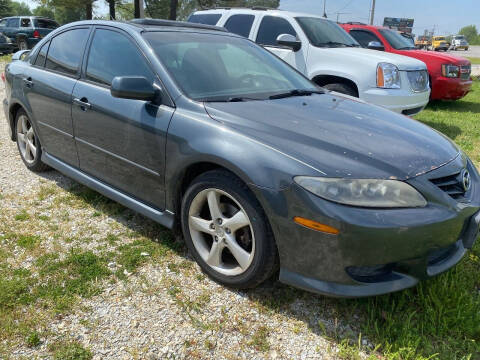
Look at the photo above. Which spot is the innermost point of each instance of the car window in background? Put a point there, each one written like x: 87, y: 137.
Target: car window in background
x: 325, y: 33
x: 396, y: 40
x: 13, y: 23
x: 3, y: 23
x: 364, y: 37
x: 45, y: 24
x: 240, y: 24
x: 207, y: 19
x: 112, y: 54
x: 220, y: 68
x: 25, y: 22
x: 64, y: 57
x: 42, y: 55
x: 271, y: 27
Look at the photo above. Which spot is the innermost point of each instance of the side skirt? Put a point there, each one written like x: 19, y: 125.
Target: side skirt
x: 165, y: 218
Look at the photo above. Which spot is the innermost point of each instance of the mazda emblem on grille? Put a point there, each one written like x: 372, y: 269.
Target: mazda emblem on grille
x: 466, y: 180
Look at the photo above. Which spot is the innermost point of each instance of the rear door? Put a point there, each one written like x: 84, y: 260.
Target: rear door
x: 240, y: 24
x: 120, y: 141
x: 48, y: 86
x: 268, y: 31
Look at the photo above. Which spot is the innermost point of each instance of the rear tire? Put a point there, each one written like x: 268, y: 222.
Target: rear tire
x: 28, y: 143
x: 22, y: 44
x: 341, y: 88
x: 239, y: 253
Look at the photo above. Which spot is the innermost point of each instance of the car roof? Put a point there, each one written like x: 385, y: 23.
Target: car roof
x: 145, y: 25
x: 256, y: 10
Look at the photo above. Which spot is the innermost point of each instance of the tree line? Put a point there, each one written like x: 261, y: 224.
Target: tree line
x: 65, y: 11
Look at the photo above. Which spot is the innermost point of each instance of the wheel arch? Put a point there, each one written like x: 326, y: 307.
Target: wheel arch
x: 12, y: 114
x: 322, y: 80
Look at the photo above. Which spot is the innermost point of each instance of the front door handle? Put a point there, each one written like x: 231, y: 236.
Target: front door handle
x: 28, y: 82
x: 83, y: 103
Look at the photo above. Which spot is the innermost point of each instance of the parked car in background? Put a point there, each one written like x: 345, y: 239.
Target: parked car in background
x: 439, y: 43
x: 26, y: 31
x: 6, y: 45
x: 263, y: 169
x: 459, y: 42
x: 326, y: 54
x: 449, y: 75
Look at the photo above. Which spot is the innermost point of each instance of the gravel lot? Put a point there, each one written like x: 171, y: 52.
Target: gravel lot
x: 166, y: 308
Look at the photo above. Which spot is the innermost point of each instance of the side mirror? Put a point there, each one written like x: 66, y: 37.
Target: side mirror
x: 20, y: 55
x: 375, y: 45
x: 289, y: 41
x: 133, y: 87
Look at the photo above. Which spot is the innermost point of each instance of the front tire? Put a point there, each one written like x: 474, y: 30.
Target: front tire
x: 341, y: 88
x: 28, y: 143
x: 227, y: 231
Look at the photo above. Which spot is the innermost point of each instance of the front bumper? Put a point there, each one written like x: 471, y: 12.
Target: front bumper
x: 450, y: 88
x: 411, y: 244
x: 398, y: 100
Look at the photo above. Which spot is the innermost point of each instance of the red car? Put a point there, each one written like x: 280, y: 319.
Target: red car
x: 449, y: 75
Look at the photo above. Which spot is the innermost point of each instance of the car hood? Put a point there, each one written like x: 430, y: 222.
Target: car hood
x: 431, y: 55
x: 339, y: 136
x: 374, y: 56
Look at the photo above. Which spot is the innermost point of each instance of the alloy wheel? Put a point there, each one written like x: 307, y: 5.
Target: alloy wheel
x: 221, y: 232
x: 27, y: 141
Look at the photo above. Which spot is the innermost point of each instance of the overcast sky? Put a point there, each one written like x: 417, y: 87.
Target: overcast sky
x: 447, y: 16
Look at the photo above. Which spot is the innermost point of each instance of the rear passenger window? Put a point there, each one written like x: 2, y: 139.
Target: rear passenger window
x: 66, y: 50
x: 271, y: 27
x: 113, y: 54
x: 364, y: 37
x: 207, y: 19
x: 25, y: 23
x: 240, y: 24
x: 42, y: 55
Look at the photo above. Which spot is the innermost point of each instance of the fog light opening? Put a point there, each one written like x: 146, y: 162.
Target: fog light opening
x: 314, y: 225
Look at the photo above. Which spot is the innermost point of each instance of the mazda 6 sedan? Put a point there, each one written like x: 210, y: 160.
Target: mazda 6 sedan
x: 265, y: 173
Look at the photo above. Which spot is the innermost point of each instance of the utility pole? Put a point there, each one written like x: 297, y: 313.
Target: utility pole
x: 139, y: 12
x: 141, y: 8
x: 324, y: 8
x: 372, y: 12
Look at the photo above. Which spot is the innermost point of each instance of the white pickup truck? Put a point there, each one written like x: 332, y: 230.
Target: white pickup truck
x: 328, y: 55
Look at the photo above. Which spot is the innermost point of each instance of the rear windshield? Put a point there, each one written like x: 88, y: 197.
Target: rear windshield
x: 45, y: 24
x: 207, y: 19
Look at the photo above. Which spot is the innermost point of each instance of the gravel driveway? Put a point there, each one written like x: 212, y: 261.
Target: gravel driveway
x: 164, y: 308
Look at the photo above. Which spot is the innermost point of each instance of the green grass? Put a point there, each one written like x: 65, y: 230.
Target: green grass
x: 474, y: 60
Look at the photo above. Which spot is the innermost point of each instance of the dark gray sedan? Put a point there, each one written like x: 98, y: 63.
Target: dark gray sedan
x: 262, y: 170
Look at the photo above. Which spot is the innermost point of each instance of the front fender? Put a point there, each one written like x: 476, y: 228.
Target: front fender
x: 194, y: 137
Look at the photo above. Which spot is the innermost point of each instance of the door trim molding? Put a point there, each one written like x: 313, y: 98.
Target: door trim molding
x: 165, y: 218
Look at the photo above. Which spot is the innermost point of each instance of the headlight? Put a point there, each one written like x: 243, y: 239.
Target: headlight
x: 451, y: 71
x: 388, y: 76
x: 363, y: 192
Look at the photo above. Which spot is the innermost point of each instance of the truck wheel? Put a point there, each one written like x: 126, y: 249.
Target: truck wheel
x: 22, y: 44
x: 341, y: 88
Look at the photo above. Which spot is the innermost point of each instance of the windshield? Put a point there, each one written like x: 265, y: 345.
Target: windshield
x: 461, y: 37
x: 440, y: 38
x: 325, y: 33
x: 211, y: 67
x: 396, y: 40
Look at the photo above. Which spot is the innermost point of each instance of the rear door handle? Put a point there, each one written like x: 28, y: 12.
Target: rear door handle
x: 83, y: 103
x: 28, y: 82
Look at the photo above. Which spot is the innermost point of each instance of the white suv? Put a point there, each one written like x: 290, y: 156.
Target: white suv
x: 325, y: 53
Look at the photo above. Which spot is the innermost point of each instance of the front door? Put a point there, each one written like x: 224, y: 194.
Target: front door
x: 120, y: 141
x: 269, y: 30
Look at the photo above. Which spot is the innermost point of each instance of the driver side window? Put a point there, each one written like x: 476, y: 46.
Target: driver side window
x: 364, y: 37
x: 271, y: 27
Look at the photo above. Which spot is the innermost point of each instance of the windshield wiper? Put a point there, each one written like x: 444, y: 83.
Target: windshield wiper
x: 230, y: 99
x: 295, y: 92
x: 333, y: 43
x: 406, y: 48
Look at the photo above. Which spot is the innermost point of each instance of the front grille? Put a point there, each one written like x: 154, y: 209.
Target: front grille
x: 465, y: 72
x: 371, y: 274
x: 451, y: 184
x: 439, y: 255
x: 418, y: 80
